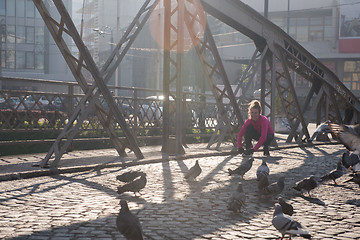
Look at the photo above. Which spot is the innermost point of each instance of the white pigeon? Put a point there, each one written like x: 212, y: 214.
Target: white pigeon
x: 349, y: 135
x: 286, y: 225
x: 262, y: 170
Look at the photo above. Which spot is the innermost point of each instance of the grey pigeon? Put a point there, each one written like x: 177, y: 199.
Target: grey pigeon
x: 244, y: 167
x: 134, y: 186
x: 262, y: 170
x: 237, y: 199
x: 194, y: 171
x: 334, y: 174
x: 322, y: 128
x: 129, y: 176
x: 263, y: 182
x: 287, y: 208
x: 355, y: 178
x: 273, y: 189
x: 349, y: 135
x: 128, y: 224
x: 286, y: 225
x: 306, y: 184
x: 351, y: 161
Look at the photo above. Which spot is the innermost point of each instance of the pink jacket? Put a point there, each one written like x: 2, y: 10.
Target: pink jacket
x: 262, y: 125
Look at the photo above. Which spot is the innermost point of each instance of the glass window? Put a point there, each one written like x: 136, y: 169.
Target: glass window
x: 10, y: 37
x: 302, y: 22
x: 349, y: 66
x: 316, y: 21
x: 30, y: 60
x: 10, y: 8
x: 39, y: 61
x: 30, y: 9
x: 2, y: 7
x: 20, y: 59
x: 352, y: 75
x: 10, y: 59
x: 20, y: 34
x: 302, y: 33
x: 328, y: 21
x: 20, y: 8
x: 39, y: 36
x: 30, y: 37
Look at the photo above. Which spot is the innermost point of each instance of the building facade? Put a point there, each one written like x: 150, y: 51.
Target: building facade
x: 330, y: 30
x: 27, y: 49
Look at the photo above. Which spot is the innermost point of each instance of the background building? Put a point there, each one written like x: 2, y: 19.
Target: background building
x: 27, y: 49
x: 329, y: 29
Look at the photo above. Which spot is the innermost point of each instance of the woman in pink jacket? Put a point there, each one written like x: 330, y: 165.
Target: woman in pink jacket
x: 256, y: 127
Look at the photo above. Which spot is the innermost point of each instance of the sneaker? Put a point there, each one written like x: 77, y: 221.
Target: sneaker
x: 266, y: 151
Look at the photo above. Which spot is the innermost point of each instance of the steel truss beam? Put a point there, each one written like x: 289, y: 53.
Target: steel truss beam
x: 214, y: 72
x: 292, y: 55
x: 92, y: 93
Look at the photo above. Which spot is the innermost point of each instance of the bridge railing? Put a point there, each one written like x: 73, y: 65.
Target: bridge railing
x: 30, y: 115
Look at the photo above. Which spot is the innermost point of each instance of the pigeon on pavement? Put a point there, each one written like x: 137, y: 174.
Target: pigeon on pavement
x: 237, y: 199
x: 286, y: 207
x: 322, y: 128
x: 263, y: 182
x: 273, y: 189
x: 349, y: 135
x: 244, y: 167
x: 194, y: 171
x: 306, y: 184
x: 134, y: 186
x: 334, y: 174
x: 286, y: 225
x: 355, y: 178
x: 128, y: 224
x: 262, y: 170
x: 351, y: 161
x: 129, y: 176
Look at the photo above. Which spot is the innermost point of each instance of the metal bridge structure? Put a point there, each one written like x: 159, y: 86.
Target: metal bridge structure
x: 276, y: 55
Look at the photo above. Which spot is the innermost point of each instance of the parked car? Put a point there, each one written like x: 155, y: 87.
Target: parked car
x: 36, y: 102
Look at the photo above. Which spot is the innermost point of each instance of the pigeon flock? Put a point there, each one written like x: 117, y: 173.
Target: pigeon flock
x: 134, y: 181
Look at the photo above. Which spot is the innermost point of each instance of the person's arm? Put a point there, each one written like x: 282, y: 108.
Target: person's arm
x: 264, y: 130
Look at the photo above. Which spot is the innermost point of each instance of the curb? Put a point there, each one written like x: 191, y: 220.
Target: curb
x: 64, y: 170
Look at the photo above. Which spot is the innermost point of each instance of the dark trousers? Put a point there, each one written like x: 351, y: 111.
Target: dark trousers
x: 251, y: 133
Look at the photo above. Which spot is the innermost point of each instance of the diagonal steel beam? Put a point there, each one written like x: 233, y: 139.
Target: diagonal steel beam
x: 214, y: 70
x: 126, y: 40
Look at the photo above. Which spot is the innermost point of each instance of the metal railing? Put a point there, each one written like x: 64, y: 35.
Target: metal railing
x: 47, y: 106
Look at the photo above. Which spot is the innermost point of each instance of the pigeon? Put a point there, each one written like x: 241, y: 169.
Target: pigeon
x: 334, y: 174
x: 262, y: 170
x: 243, y: 168
x: 263, y: 182
x: 194, y: 171
x: 237, y: 199
x: 306, y: 184
x: 351, y: 161
x: 134, y: 186
x: 128, y: 224
x: 286, y: 207
x: 273, y: 189
x: 349, y: 135
x: 322, y: 128
x: 355, y: 178
x: 286, y: 225
x: 129, y: 176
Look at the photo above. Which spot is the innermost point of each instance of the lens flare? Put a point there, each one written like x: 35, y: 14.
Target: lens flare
x: 194, y: 15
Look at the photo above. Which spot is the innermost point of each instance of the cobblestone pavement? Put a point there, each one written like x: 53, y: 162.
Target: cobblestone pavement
x: 84, y: 205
